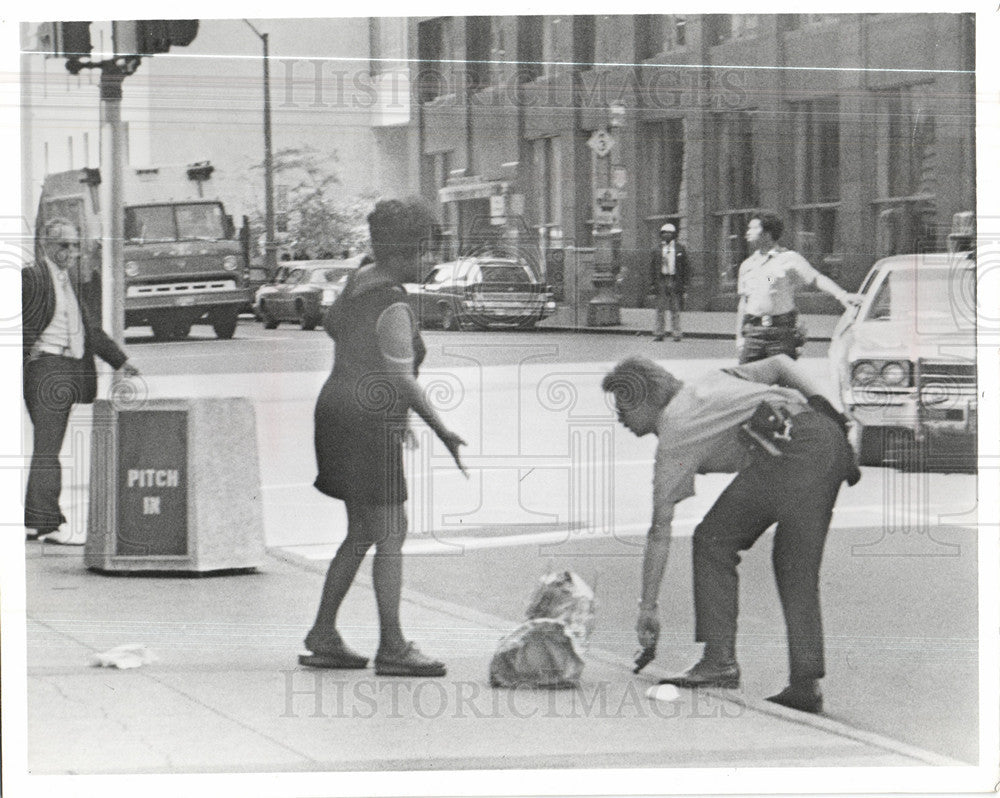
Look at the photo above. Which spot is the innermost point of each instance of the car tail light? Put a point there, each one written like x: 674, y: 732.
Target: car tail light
x: 230, y: 263
x: 131, y: 269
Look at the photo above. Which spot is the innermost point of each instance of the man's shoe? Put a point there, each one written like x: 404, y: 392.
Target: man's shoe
x: 707, y: 673
x: 801, y: 698
x: 37, y: 534
x: 63, y: 537
x: 678, y: 336
x: 408, y: 662
x: 659, y: 337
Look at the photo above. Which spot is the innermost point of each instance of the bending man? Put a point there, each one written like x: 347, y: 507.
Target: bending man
x: 699, y: 431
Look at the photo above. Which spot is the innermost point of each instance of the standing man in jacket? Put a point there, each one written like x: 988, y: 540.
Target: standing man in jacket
x: 668, y: 268
x: 767, y: 320
x: 60, y: 339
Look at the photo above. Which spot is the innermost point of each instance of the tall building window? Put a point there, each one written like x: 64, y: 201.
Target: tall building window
x: 661, y: 171
x: 530, y: 35
x: 649, y: 35
x: 659, y: 33
x: 817, y: 183
x: 547, y: 168
x: 797, y: 21
x: 435, y: 51
x: 738, y: 195
x: 478, y: 55
x: 583, y: 41
x: 434, y: 176
x: 727, y: 27
x: 905, y: 171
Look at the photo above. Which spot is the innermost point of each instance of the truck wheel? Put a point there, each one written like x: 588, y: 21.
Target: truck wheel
x: 170, y: 329
x: 224, y: 323
x: 270, y: 322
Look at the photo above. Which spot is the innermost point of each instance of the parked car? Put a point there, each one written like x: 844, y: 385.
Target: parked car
x: 904, y: 361
x: 256, y: 276
x: 481, y: 292
x: 303, y: 291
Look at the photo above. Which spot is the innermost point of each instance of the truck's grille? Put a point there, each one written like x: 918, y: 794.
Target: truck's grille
x: 172, y: 289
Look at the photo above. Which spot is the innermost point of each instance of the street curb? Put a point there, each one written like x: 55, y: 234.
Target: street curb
x: 503, y: 625
x: 618, y: 330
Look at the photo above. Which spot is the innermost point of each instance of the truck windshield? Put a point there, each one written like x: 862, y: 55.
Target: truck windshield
x: 201, y: 221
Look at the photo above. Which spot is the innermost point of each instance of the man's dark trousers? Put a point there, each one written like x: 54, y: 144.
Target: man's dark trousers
x: 763, y: 342
x: 797, y: 491
x: 51, y: 388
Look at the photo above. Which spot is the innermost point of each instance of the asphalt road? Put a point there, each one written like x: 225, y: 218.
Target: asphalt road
x: 899, y: 583
x: 289, y: 349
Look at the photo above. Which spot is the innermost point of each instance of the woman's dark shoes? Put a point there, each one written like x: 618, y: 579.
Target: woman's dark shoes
x: 707, y: 673
x: 332, y: 654
x: 408, y: 662
x: 805, y: 698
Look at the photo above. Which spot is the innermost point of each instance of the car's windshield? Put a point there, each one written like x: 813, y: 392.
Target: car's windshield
x: 201, y: 221
x: 940, y: 298
x: 501, y: 273
x: 330, y: 275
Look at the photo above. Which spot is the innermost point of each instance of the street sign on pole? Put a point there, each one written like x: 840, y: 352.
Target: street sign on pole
x: 601, y: 142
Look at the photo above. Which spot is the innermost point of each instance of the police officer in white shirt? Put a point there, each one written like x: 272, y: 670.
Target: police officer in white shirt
x: 767, y: 321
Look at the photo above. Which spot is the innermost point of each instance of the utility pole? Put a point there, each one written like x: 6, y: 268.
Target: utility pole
x: 270, y: 246
x: 113, y: 293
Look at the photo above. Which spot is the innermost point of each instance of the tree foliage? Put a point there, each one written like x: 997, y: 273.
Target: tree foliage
x: 317, y: 223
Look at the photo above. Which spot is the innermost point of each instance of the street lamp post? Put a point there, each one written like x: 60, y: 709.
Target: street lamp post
x: 270, y: 247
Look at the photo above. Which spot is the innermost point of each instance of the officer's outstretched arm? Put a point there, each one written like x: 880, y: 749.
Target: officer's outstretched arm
x: 654, y: 564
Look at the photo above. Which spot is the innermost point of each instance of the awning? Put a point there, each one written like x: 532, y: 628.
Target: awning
x: 483, y: 189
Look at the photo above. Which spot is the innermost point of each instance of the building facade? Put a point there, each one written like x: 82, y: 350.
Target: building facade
x: 568, y: 131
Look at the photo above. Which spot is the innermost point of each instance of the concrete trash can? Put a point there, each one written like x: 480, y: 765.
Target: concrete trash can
x: 175, y: 486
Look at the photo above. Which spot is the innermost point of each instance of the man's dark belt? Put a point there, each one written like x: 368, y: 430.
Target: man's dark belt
x: 779, y: 320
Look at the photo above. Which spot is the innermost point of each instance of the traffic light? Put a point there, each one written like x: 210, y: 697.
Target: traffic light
x: 159, y: 35
x: 65, y: 39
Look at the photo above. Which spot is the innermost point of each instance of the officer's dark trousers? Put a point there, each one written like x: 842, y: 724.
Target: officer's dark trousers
x: 51, y: 388
x: 762, y: 342
x: 797, y: 491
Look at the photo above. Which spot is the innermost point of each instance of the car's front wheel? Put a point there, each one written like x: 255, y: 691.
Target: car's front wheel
x: 307, y: 319
x: 449, y: 319
x: 270, y: 321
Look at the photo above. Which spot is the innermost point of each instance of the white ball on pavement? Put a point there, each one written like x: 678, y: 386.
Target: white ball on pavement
x: 663, y: 692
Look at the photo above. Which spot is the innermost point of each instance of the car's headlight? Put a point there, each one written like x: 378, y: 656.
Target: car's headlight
x: 329, y: 296
x: 131, y: 269
x: 230, y: 263
x: 882, y: 373
x: 936, y: 394
x: 895, y: 373
x: 864, y: 372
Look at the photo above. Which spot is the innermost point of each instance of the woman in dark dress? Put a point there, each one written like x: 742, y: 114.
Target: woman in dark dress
x: 361, y: 421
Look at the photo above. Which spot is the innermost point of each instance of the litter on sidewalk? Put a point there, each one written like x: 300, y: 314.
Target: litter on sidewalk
x: 547, y: 649
x: 129, y: 655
